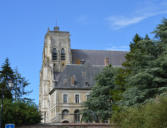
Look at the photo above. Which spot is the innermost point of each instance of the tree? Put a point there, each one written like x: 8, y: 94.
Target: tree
x: 147, y: 71
x: 99, y: 104
x: 6, y: 74
x: 19, y: 83
x: 16, y: 103
x: 21, y: 113
x: 142, y: 52
x: 161, y: 31
x: 149, y: 115
x: 19, y: 89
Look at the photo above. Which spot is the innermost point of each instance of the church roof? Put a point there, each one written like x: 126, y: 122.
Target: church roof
x: 96, y: 57
x: 82, y: 76
x: 78, y: 76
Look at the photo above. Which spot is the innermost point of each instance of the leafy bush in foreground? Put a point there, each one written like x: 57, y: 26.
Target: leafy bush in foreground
x: 150, y: 115
x: 20, y: 113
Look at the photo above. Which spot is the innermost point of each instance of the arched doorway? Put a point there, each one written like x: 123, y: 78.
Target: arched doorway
x: 76, y: 116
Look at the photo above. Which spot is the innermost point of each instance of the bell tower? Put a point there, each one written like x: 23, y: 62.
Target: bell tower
x: 56, y: 55
x: 59, y: 48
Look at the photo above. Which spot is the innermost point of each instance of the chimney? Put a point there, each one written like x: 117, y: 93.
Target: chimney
x: 106, y: 61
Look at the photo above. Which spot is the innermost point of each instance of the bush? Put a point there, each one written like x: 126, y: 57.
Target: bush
x: 150, y: 115
x: 20, y: 113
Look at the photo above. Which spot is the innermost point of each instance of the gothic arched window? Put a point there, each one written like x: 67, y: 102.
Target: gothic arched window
x: 54, y: 54
x: 62, y: 54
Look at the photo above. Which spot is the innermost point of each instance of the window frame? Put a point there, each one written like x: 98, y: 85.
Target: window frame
x: 64, y: 114
x: 75, y: 98
x: 64, y: 98
x: 63, y: 54
x: 54, y: 54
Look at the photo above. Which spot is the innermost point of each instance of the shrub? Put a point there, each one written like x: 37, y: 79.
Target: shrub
x: 150, y: 115
x: 20, y: 113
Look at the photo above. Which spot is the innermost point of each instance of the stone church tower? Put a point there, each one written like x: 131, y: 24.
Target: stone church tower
x: 56, y: 55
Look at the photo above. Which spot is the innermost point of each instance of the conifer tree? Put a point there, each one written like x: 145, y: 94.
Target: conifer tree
x: 6, y: 75
x: 18, y: 91
x: 15, y: 102
x: 161, y: 31
x: 148, y: 74
x: 99, y: 104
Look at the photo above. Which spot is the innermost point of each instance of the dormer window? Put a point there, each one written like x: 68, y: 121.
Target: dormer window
x: 87, y: 84
x: 54, y: 54
x: 62, y: 54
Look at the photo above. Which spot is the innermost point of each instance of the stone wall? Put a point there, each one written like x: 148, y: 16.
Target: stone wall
x: 69, y: 126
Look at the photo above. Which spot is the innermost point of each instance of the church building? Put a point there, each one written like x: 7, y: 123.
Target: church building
x: 67, y: 76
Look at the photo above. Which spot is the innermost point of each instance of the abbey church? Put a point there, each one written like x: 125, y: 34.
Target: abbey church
x: 67, y: 76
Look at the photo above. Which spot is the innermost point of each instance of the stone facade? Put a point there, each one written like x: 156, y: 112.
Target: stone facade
x: 67, y: 75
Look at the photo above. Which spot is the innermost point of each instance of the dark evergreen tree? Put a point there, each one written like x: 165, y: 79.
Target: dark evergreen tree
x: 18, y: 91
x: 130, y: 56
x: 147, y: 77
x: 161, y: 31
x: 146, y: 37
x: 15, y: 102
x: 99, y: 104
x: 6, y: 75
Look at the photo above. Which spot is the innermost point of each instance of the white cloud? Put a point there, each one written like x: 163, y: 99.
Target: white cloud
x: 120, y: 22
x: 148, y: 10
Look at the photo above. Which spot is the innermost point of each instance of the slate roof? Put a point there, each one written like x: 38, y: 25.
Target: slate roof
x: 96, y: 57
x: 83, y: 74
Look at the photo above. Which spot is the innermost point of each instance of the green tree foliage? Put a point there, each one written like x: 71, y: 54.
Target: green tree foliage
x: 17, y: 108
x: 130, y: 56
x: 21, y: 113
x: 142, y: 77
x: 18, y: 90
x: 142, y: 52
x: 99, y: 103
x: 161, y: 31
x: 147, y: 70
x: 150, y: 115
x: 6, y: 74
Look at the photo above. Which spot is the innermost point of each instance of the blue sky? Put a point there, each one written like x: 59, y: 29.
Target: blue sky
x: 93, y: 24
